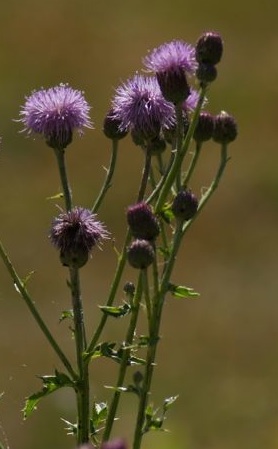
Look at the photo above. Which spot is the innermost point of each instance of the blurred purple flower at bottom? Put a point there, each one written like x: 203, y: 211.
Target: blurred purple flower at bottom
x: 55, y: 113
x: 114, y: 444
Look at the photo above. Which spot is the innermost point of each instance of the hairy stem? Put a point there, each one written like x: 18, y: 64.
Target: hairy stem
x: 125, y: 358
x: 109, y: 176
x: 19, y: 284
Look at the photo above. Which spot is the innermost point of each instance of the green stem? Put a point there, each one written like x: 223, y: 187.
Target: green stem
x: 222, y: 165
x: 145, y: 176
x: 121, y: 261
x: 60, y: 156
x: 82, y: 390
x: 193, y: 164
x: 154, y: 338
x: 125, y: 358
x: 82, y: 386
x: 19, y: 284
x: 109, y: 176
x: 111, y: 296
x: 179, y: 156
x: 179, y: 139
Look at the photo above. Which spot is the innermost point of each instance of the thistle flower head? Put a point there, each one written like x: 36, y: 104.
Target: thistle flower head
x: 171, y: 57
x: 139, y: 105
x: 225, y: 128
x: 55, y: 113
x: 204, y: 128
x: 140, y: 254
x: 75, y: 233
x: 185, y: 205
x: 170, y: 62
x: 209, y: 48
x: 142, y: 222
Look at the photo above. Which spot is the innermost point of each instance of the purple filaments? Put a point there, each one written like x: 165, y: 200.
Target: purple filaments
x: 55, y: 113
x: 139, y: 106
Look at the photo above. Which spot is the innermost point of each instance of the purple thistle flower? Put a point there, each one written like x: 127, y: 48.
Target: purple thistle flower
x: 75, y: 233
x: 171, y: 57
x: 114, y: 444
x: 55, y: 113
x: 139, y: 105
x: 171, y: 61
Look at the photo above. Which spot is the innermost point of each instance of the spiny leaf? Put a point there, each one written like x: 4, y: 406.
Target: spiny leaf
x: 180, y: 291
x: 55, y: 197
x: 168, y: 402
x: 51, y: 383
x: 66, y: 314
x: 116, y: 312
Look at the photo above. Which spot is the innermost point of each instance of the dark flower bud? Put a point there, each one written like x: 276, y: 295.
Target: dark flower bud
x: 209, y: 48
x: 114, y: 444
x: 170, y: 133
x: 142, y: 222
x: 173, y: 85
x: 204, y: 128
x: 156, y: 145
x: 185, y: 205
x: 59, y: 140
x: 74, y: 257
x: 225, y: 128
x: 129, y: 288
x: 112, y: 127
x: 140, y: 254
x: 206, y: 73
x: 138, y: 377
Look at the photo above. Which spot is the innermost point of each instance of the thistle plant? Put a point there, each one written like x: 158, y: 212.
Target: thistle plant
x: 163, y: 110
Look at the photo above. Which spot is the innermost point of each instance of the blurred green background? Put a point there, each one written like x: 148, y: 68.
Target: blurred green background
x: 219, y: 352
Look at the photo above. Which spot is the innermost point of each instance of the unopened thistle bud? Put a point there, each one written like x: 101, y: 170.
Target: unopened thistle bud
x: 185, y: 205
x: 112, y: 127
x: 129, y: 288
x: 225, y: 128
x: 204, y: 128
x: 209, y: 48
x: 142, y: 222
x: 206, y: 73
x: 140, y: 254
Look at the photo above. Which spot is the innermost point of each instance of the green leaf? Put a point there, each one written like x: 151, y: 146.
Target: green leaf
x: 66, y: 314
x: 168, y: 402
x: 71, y: 427
x: 166, y: 213
x: 51, y: 383
x: 98, y: 416
x: 55, y: 197
x: 116, y: 312
x: 104, y: 349
x: 180, y: 291
x: 27, y: 278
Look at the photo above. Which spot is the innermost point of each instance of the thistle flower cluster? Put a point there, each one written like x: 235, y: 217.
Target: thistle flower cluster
x: 157, y: 108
